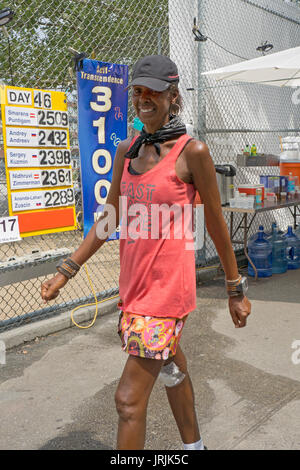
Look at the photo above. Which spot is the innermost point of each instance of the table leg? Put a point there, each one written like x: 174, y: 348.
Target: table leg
x: 231, y: 225
x: 245, y: 246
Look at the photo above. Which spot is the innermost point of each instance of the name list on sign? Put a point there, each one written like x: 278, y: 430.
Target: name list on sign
x: 17, y: 116
x: 19, y: 157
x: 33, y: 137
x: 38, y: 156
x: 30, y: 200
x: 38, y: 178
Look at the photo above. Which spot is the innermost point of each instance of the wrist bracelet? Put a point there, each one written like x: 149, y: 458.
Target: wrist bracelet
x: 235, y: 282
x: 238, y: 287
x: 68, y: 267
x: 232, y: 285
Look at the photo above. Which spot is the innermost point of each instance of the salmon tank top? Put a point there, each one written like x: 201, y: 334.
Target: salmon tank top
x: 157, y: 257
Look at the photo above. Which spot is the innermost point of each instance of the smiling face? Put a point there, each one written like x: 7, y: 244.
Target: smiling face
x: 152, y: 107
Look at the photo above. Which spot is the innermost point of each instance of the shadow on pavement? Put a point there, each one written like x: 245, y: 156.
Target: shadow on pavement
x: 80, y: 440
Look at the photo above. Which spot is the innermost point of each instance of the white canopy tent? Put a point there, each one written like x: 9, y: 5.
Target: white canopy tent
x: 280, y: 69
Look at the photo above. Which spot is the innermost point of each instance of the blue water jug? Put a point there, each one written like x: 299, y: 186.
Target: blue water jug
x: 260, y: 252
x: 279, y: 247
x: 293, y: 249
x: 297, y: 232
x: 274, y: 227
x: 254, y: 236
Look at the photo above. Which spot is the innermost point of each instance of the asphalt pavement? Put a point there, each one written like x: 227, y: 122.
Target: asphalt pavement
x: 57, y: 390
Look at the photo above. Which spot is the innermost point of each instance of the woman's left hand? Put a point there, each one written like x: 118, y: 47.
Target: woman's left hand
x: 239, y: 308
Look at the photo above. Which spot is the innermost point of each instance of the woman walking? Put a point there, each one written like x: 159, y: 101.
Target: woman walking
x: 158, y: 173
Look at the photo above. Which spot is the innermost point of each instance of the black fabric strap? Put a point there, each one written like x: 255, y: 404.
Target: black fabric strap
x: 132, y: 170
x: 174, y: 128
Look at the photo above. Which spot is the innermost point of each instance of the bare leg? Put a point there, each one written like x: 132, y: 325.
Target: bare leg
x: 132, y: 398
x: 181, y: 399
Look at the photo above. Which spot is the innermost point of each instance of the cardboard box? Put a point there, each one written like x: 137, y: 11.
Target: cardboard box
x: 271, y: 182
x: 283, y: 184
x: 251, y: 189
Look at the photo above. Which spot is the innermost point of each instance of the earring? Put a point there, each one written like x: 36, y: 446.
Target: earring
x: 175, y: 109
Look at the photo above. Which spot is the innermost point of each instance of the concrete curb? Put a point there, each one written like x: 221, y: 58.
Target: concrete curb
x: 44, y: 327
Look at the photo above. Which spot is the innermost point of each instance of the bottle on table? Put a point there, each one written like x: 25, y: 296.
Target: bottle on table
x: 253, y: 150
x: 291, y: 186
x: 283, y: 196
x: 258, y: 196
x: 247, y: 150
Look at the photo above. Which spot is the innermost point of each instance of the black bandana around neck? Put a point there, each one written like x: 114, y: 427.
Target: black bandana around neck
x: 174, y: 128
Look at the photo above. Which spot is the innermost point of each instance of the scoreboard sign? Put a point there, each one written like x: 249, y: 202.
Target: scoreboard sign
x: 38, y: 160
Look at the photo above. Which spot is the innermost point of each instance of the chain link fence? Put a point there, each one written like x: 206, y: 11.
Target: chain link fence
x: 236, y: 114
x: 34, y: 53
x: 228, y: 115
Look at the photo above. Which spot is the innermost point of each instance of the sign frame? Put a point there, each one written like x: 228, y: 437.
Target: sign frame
x: 53, y: 104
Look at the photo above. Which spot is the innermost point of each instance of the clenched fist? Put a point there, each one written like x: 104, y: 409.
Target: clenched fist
x: 240, y: 309
x: 50, y: 289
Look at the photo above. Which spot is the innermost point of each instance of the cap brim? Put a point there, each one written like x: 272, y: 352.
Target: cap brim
x: 149, y: 82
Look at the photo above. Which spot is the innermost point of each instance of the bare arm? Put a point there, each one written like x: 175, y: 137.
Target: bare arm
x: 204, y: 177
x: 202, y: 169
x: 92, y: 243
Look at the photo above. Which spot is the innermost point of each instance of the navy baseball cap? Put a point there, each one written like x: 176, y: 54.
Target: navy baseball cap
x: 156, y: 72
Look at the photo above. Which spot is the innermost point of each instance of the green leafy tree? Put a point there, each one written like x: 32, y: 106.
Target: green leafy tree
x: 41, y: 31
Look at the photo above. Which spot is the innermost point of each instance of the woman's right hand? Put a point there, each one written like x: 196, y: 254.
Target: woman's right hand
x: 50, y: 288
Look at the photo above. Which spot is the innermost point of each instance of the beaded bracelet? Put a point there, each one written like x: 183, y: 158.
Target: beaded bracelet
x: 236, y: 282
x: 68, y: 267
x: 232, y: 285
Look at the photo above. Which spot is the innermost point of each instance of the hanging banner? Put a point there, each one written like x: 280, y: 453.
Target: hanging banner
x: 38, y: 160
x: 102, y: 124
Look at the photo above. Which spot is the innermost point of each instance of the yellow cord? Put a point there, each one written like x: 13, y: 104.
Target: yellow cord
x: 95, y: 297
x: 87, y: 305
x: 207, y: 267
x: 110, y: 298
x: 104, y: 300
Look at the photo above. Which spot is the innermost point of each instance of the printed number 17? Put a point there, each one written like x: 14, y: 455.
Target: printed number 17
x: 3, y: 223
